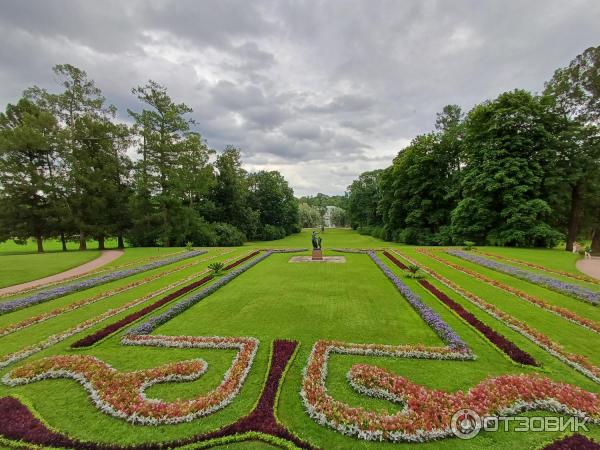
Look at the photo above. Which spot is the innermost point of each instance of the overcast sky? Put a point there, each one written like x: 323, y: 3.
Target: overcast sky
x: 319, y: 90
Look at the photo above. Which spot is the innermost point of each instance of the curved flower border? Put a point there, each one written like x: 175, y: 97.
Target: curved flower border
x: 50, y: 294
x: 577, y: 362
x: 122, y: 394
x: 569, y: 289
x: 559, y: 311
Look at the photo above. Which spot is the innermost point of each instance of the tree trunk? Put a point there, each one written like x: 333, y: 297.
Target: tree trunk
x: 596, y: 241
x: 574, y: 216
x: 63, y: 241
x: 120, y: 243
x: 101, y: 242
x: 40, y: 244
x: 82, y: 241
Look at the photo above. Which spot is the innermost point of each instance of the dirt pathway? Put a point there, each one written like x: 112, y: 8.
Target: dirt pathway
x: 106, y: 257
x: 590, y: 267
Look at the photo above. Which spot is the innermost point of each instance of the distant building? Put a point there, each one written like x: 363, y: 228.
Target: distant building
x: 327, y: 216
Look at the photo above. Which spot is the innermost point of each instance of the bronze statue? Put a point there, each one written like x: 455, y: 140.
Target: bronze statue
x: 316, y: 241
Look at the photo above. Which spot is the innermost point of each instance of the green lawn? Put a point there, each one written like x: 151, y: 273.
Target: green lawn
x: 351, y: 302
x: 19, y: 268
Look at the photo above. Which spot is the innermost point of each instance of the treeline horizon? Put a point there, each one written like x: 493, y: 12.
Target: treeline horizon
x: 65, y: 174
x: 520, y: 170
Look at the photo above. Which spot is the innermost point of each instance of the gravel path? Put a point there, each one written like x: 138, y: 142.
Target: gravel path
x: 590, y: 267
x: 106, y: 257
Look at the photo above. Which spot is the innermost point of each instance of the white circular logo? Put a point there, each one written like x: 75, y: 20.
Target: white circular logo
x: 466, y: 423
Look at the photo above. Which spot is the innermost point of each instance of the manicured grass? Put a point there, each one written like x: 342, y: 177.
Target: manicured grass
x: 351, y: 302
x: 20, y: 268
x: 50, y: 245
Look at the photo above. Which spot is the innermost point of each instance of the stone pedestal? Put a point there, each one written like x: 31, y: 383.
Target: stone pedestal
x: 317, y: 255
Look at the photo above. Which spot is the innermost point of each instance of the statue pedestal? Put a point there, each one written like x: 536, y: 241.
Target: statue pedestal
x: 317, y: 255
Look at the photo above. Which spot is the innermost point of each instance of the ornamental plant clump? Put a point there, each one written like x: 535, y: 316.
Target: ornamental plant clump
x: 49, y: 294
x: 216, y: 267
x: 469, y: 245
x: 414, y: 271
x: 570, y: 289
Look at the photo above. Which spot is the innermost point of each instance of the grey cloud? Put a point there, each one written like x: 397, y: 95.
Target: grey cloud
x: 322, y: 90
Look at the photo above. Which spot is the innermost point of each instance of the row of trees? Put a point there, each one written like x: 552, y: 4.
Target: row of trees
x: 65, y: 172
x: 520, y: 170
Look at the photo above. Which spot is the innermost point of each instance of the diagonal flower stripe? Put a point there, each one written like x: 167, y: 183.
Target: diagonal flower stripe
x: 151, y: 324
x: 559, y: 311
x: 570, y: 289
x: 29, y: 321
x: 574, y: 276
x: 508, y: 347
x: 49, y: 294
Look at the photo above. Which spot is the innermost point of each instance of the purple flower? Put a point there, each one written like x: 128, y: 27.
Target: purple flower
x: 570, y: 289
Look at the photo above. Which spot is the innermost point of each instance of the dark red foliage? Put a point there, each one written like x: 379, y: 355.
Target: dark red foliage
x: 395, y: 260
x: 17, y: 422
x: 514, y: 352
x: 91, y: 339
x: 239, y: 261
x: 575, y: 442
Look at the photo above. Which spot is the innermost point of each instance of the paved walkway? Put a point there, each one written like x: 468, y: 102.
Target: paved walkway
x: 106, y: 257
x: 590, y: 267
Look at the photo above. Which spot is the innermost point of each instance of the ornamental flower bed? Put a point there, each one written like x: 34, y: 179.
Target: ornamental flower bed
x: 562, y: 312
x: 575, y: 276
x: 393, y: 259
x: 427, y: 412
x: 11, y: 328
x: 570, y: 289
x: 49, y: 294
x: 508, y: 347
x: 441, y: 328
x: 121, y: 394
x: 577, y: 362
x: 148, y: 326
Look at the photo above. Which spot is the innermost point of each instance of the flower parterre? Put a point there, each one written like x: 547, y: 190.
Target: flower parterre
x: 570, y: 289
x: 577, y: 362
x: 562, y: 312
x: 121, y: 394
x: 13, y: 327
x: 575, y: 276
x: 441, y: 328
x: 55, y: 338
x: 49, y: 294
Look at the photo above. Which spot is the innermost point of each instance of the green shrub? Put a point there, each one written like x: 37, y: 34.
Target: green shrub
x: 469, y: 245
x: 272, y: 232
x: 228, y: 235
x: 189, y: 246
